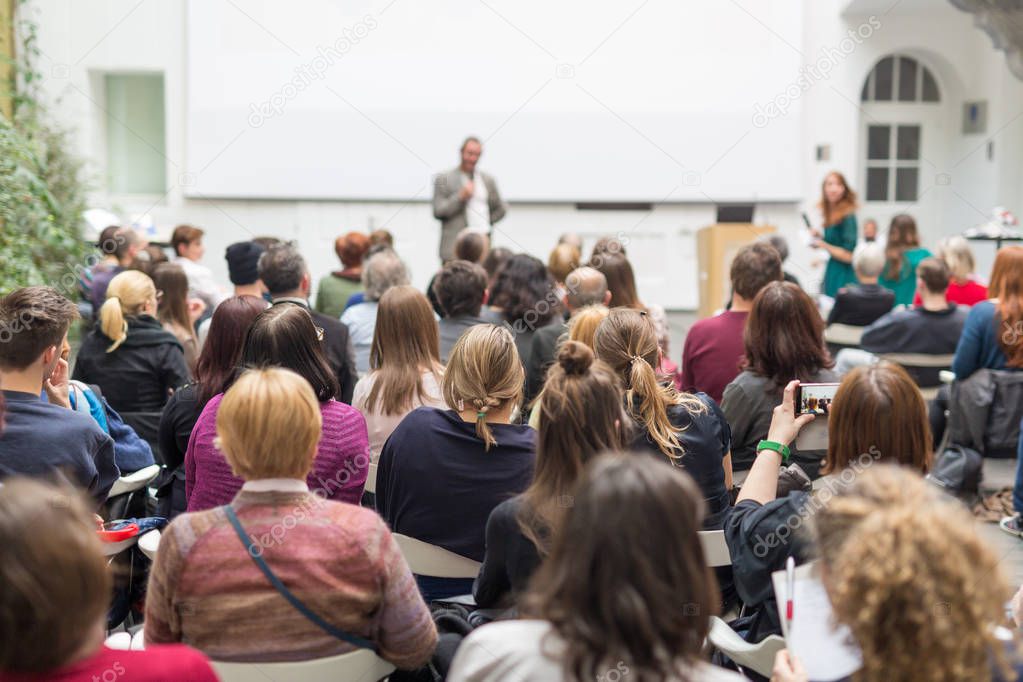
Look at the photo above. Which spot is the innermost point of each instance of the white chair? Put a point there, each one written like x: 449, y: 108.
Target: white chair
x: 923, y: 360
x: 843, y: 334
x: 149, y: 543
x: 112, y: 548
x: 758, y: 657
x: 433, y: 561
x: 134, y: 481
x: 371, y: 479
x: 361, y: 665
x: 715, y: 549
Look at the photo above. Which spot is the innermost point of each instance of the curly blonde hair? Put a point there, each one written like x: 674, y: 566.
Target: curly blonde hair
x: 909, y: 574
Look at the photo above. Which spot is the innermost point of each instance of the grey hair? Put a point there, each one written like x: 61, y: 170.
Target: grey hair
x: 780, y: 245
x: 281, y: 267
x: 868, y: 259
x: 382, y: 271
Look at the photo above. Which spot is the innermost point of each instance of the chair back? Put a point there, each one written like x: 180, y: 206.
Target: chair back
x: 371, y: 478
x: 134, y: 481
x: 925, y: 368
x: 433, y: 561
x: 758, y: 657
x: 843, y: 334
x: 361, y: 665
x: 715, y: 549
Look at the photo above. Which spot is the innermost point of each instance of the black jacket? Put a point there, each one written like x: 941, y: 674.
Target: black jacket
x: 141, y: 373
x: 337, y: 345
x: 541, y: 357
x: 861, y: 304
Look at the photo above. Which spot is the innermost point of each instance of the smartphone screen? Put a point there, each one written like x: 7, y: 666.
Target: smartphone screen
x: 815, y: 398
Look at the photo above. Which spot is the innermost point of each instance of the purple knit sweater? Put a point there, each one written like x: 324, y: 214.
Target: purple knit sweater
x: 339, y: 469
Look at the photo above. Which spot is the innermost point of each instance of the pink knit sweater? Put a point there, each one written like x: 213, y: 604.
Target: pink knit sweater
x: 339, y: 469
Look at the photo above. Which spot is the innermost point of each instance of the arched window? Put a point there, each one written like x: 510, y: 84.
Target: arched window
x: 893, y: 147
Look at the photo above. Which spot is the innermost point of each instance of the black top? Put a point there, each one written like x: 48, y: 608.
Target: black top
x: 861, y: 304
x: 706, y: 439
x: 510, y: 560
x: 141, y: 373
x: 176, y: 424
x: 435, y: 482
x: 40, y: 439
x: 931, y: 332
x: 541, y: 357
x: 337, y: 346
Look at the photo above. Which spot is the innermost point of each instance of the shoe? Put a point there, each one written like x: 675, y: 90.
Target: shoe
x: 1013, y: 525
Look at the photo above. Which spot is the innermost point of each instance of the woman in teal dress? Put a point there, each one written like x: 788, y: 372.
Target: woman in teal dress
x: 904, y: 253
x: 838, y: 203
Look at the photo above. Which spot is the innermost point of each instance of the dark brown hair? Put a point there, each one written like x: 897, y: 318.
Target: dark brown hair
x: 184, y: 235
x: 31, y: 320
x: 902, y: 235
x: 524, y: 291
x: 580, y: 416
x: 754, y: 267
x: 471, y: 245
x: 842, y: 208
x: 405, y: 344
x: 1007, y: 286
x: 284, y: 335
x: 934, y: 274
x: 460, y: 287
x: 351, y: 248
x: 170, y: 279
x: 223, y: 348
x: 496, y: 257
x: 621, y: 281
x: 56, y: 584
x: 784, y: 335
x: 612, y: 589
x: 878, y: 413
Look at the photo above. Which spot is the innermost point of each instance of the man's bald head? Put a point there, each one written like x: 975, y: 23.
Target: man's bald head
x: 585, y: 286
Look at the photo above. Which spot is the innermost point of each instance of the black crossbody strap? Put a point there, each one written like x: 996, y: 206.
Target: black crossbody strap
x: 286, y: 593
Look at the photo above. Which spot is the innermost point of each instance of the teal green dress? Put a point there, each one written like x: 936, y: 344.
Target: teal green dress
x: 905, y: 286
x: 838, y: 274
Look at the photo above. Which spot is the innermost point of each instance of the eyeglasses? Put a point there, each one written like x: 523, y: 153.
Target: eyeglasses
x: 319, y: 333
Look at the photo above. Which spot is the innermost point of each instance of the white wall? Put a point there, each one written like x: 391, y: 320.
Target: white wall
x: 81, y: 41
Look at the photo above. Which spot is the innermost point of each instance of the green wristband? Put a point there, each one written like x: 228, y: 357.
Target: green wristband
x: 780, y: 448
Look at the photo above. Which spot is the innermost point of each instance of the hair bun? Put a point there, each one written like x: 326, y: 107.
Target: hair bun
x: 575, y: 357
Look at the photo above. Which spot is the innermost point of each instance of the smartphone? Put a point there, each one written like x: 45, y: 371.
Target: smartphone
x: 815, y: 398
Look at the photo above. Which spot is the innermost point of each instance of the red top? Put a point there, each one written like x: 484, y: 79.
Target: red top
x: 167, y: 663
x: 712, y: 352
x: 968, y: 293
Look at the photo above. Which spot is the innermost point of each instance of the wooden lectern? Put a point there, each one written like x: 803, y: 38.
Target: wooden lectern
x: 716, y: 246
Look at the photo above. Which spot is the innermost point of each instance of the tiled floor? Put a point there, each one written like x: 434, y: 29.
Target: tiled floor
x: 997, y: 473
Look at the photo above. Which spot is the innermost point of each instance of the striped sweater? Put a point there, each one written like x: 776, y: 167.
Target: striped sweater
x: 338, y: 473
x: 339, y: 559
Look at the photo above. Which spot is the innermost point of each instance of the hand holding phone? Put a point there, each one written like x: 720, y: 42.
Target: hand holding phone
x: 786, y: 421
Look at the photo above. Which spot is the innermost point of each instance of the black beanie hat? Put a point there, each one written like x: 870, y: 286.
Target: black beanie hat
x: 242, y: 262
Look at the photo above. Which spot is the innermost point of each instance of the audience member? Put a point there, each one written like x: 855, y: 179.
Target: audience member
x: 405, y: 369
x: 125, y: 243
x: 838, y: 208
x: 564, y: 259
x: 496, y: 257
x: 869, y: 230
x: 993, y: 330
x: 683, y: 430
x: 781, y: 245
x: 243, y: 271
x: 963, y: 287
x: 46, y: 438
x: 284, y: 336
x: 524, y: 295
x: 442, y: 472
x: 380, y: 240
x: 104, y: 261
x: 583, y: 287
x: 572, y: 239
x: 903, y: 253
x: 148, y: 258
x: 470, y: 246
x: 338, y: 559
x: 642, y: 606
x: 581, y: 411
x: 878, y: 416
x: 714, y: 346
x: 213, y: 373
x: 55, y: 596
x: 335, y: 289
x: 135, y: 362
x: 905, y: 567
x: 382, y: 271
x: 176, y: 312
x: 188, y: 252
x: 784, y: 340
x: 862, y: 304
x: 607, y: 245
x: 461, y: 289
x: 284, y: 273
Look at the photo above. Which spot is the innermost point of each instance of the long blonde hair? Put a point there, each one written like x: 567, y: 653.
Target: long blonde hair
x: 127, y: 295
x: 908, y: 572
x: 626, y: 340
x: 484, y: 372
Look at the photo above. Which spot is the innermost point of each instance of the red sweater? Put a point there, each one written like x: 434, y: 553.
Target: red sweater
x: 156, y: 664
x: 969, y: 293
x: 712, y: 352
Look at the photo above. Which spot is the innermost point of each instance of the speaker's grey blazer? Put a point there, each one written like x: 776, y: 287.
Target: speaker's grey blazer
x: 450, y: 210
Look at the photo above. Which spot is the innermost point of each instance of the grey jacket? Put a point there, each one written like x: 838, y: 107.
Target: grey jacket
x: 450, y: 210
x: 985, y: 412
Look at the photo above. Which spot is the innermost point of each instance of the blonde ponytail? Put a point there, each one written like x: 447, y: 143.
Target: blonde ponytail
x: 653, y: 410
x: 127, y: 294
